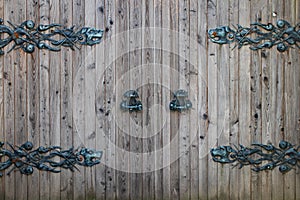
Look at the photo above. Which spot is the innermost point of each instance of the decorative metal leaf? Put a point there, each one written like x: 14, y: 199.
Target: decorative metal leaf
x: 25, y: 159
x: 258, y: 35
x: 261, y: 156
x: 28, y: 36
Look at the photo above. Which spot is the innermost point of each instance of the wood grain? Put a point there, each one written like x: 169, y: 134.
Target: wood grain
x: 2, y: 134
x: 33, y: 101
x: 148, y: 98
x: 174, y: 85
x: 184, y: 73
x: 290, y: 100
x: 8, y: 100
x: 202, y: 110
x: 256, y: 97
x: 44, y: 100
x: 66, y: 100
x: 244, y: 103
x: 123, y: 84
x: 157, y: 107
x: 223, y: 121
x: 166, y: 58
x: 100, y: 98
x: 89, y: 99
x: 72, y: 98
x: 79, y: 189
x: 272, y: 103
x: 193, y: 96
x: 55, y: 101
x: 110, y: 99
x: 212, y: 103
x: 135, y: 75
x: 234, y: 69
x: 20, y: 100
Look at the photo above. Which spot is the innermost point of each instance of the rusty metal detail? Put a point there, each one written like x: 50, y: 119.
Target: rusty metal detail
x: 259, y: 36
x: 24, y: 158
x: 180, y: 101
x: 27, y: 36
x: 260, y: 156
x: 130, y: 101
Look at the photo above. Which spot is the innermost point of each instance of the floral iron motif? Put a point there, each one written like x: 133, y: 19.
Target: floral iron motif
x: 262, y: 156
x: 180, y: 101
x: 28, y: 36
x: 283, y: 35
x: 25, y: 159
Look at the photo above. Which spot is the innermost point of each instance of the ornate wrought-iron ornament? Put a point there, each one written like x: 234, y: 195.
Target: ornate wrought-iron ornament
x: 27, y: 36
x: 261, y: 156
x: 283, y: 35
x: 25, y: 159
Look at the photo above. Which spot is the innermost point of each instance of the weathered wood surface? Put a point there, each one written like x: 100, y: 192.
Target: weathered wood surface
x: 72, y: 98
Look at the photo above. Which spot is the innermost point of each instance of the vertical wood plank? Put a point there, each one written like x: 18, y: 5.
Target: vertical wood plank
x: 8, y: 101
x: 277, y: 94
x: 79, y: 189
x: 244, y: 102
x: 194, y: 89
x: 290, y: 102
x: 256, y: 98
x: 166, y: 59
x: 136, y: 119
x: 110, y: 98
x: 272, y: 93
x: 20, y: 101
x: 234, y: 100
x: 149, y: 115
x: 103, y: 22
x: 89, y: 100
x: 66, y: 100
x: 54, y: 100
x: 212, y: 102
x: 44, y: 105
x: 295, y: 61
x: 157, y: 107
x: 272, y: 102
x: 33, y: 101
x: 223, y: 80
x: 2, y: 133
x: 122, y: 85
x: 203, y: 98
x: 183, y: 132
x: 174, y: 85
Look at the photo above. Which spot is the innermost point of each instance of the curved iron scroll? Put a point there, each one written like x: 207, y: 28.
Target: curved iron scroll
x: 28, y: 36
x: 24, y: 158
x: 283, y: 35
x: 261, y: 156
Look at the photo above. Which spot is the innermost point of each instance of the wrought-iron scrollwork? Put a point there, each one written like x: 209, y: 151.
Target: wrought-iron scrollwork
x: 28, y: 36
x: 283, y: 35
x: 24, y: 158
x: 261, y: 156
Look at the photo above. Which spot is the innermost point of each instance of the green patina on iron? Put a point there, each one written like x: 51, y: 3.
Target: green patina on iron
x: 258, y: 35
x: 52, y: 37
x: 261, y: 156
x: 24, y: 158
